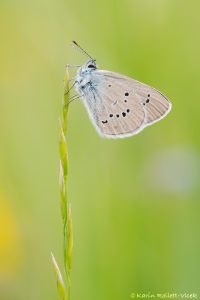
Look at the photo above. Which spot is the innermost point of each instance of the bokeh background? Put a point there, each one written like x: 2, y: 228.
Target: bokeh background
x: 135, y: 202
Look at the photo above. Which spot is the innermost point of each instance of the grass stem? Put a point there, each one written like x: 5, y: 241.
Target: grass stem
x: 66, y: 212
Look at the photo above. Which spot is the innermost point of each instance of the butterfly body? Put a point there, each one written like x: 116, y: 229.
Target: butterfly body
x: 85, y: 76
x: 119, y: 106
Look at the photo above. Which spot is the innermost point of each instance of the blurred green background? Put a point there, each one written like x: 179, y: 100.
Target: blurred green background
x: 135, y: 202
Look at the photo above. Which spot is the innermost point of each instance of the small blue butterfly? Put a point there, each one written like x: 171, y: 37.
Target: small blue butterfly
x: 118, y: 106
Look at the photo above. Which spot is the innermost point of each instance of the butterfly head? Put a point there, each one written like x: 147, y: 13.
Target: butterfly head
x: 90, y: 65
x: 88, y: 68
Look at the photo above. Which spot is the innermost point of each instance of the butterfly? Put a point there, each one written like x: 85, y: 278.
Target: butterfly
x: 118, y: 106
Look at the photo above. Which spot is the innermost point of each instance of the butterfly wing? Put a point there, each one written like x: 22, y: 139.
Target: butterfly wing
x: 120, y: 106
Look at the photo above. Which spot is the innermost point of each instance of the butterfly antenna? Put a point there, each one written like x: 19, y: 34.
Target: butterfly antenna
x: 81, y: 49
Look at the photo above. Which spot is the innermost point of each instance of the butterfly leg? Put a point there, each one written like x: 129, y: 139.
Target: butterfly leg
x: 71, y: 79
x: 74, y: 97
x: 67, y: 92
x: 72, y: 66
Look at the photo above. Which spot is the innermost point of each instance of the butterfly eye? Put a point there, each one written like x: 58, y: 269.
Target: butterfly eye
x: 91, y: 66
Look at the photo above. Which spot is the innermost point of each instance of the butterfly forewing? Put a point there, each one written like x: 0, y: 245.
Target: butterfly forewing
x: 121, y: 106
